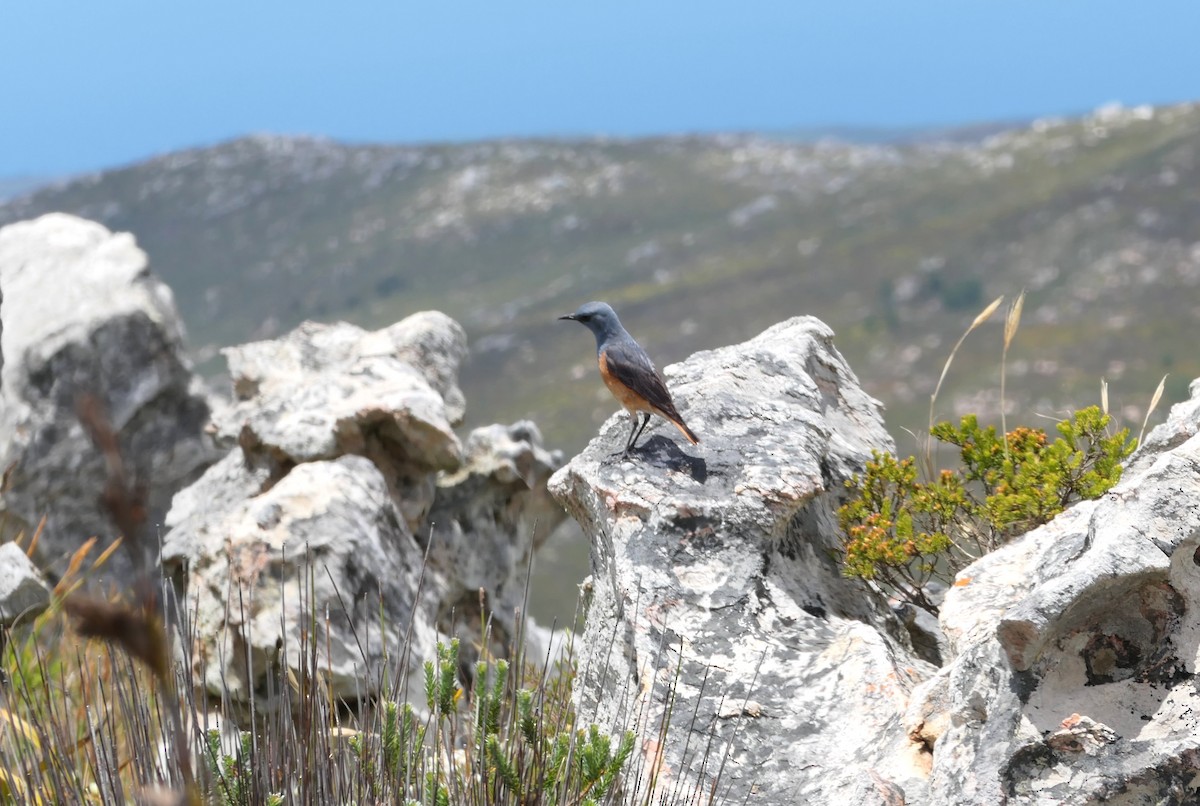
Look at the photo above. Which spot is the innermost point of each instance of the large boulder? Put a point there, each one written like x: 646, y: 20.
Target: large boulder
x: 84, y: 316
x: 1074, y: 649
x: 1070, y: 654
x: 717, y: 601
x: 342, y: 467
x: 263, y: 561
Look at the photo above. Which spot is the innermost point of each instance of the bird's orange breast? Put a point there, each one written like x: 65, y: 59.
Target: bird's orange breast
x: 626, y: 396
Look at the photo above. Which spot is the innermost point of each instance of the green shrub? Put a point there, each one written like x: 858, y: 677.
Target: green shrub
x: 903, y: 532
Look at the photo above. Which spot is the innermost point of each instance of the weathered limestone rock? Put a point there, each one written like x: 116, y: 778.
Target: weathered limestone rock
x: 83, y: 314
x: 325, y: 542
x: 325, y: 390
x: 1075, y: 649
x: 717, y: 563
x: 342, y: 466
x: 23, y: 592
x: 1071, y: 653
x: 435, y: 345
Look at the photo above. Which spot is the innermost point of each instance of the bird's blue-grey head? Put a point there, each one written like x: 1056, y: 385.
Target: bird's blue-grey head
x: 601, y: 319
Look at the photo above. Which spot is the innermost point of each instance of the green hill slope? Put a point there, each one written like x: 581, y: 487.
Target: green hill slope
x: 699, y: 242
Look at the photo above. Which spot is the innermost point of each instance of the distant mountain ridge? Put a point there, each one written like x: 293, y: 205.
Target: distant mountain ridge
x: 13, y: 186
x: 698, y: 242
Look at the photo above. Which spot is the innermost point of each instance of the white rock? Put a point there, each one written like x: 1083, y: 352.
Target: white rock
x: 83, y: 315
x: 326, y: 543
x: 342, y: 467
x: 23, y: 592
x: 716, y: 562
x: 1089, y: 619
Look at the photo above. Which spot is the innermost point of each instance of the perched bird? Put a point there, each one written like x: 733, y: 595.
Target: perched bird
x: 628, y: 372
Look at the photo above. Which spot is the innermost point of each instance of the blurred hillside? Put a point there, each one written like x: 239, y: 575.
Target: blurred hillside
x: 700, y: 242
x: 13, y: 186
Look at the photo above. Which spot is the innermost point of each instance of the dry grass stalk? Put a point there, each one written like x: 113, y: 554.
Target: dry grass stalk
x: 137, y: 629
x: 124, y: 498
x: 1158, y: 393
x: 983, y: 316
x: 33, y: 542
x: 1011, y: 323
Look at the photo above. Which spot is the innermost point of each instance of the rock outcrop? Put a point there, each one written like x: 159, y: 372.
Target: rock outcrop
x: 343, y: 465
x: 83, y: 315
x: 1075, y: 649
x: 1070, y: 653
x: 263, y: 560
x: 716, y: 596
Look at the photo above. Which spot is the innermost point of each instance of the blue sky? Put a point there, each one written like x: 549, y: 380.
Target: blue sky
x: 89, y: 85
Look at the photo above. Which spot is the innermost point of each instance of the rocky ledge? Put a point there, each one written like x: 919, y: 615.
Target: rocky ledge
x: 717, y: 600
x: 1074, y: 649
x: 717, y: 606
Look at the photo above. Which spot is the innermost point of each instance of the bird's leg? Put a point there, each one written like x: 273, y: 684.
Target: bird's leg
x: 637, y: 432
x: 632, y: 435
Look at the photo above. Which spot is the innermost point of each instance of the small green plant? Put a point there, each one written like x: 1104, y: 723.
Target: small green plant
x: 522, y: 745
x: 232, y: 773
x: 904, y: 532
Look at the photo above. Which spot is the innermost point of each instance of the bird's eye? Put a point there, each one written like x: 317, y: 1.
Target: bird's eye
x: 585, y: 317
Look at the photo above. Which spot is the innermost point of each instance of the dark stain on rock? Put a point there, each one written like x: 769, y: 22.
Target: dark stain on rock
x: 698, y: 534
x: 1110, y: 658
x: 1173, y: 782
x: 1128, y: 635
x: 1029, y: 763
x: 1023, y: 684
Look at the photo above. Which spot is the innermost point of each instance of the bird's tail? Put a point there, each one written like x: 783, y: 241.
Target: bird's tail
x: 687, y: 432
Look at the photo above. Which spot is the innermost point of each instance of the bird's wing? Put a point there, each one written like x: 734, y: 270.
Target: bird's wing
x: 628, y: 363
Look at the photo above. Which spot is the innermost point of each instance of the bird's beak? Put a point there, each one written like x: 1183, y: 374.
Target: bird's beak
x: 570, y: 316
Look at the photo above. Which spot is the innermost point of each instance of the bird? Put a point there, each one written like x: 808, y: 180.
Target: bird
x: 628, y: 372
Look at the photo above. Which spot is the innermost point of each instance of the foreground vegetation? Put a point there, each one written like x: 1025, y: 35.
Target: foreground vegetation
x: 98, y: 705
x: 117, y: 722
